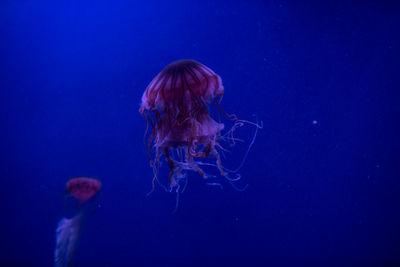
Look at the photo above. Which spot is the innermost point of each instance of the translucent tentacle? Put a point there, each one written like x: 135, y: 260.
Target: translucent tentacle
x: 67, y: 235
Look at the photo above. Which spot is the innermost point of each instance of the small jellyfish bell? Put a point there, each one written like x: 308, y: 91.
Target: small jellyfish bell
x: 176, y: 105
x: 83, y: 188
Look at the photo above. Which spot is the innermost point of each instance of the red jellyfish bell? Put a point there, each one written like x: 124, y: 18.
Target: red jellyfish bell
x: 83, y: 188
x: 176, y: 106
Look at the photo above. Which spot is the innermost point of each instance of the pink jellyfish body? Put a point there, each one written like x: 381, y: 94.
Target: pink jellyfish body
x: 83, y: 188
x: 176, y: 106
x: 69, y: 229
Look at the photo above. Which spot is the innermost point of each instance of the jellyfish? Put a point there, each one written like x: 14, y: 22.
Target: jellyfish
x: 176, y: 105
x: 68, y: 230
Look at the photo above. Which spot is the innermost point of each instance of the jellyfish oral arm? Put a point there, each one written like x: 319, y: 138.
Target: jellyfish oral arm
x: 67, y: 232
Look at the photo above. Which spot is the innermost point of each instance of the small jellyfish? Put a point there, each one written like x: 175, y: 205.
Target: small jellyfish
x: 83, y: 188
x: 68, y: 230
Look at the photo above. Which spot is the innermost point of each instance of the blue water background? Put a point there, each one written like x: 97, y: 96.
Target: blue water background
x: 72, y: 75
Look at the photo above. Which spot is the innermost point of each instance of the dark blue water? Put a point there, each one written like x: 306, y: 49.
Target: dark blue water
x: 72, y: 75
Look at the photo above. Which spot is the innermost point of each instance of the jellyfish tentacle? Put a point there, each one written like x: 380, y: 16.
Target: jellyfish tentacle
x: 172, y: 166
x: 237, y: 188
x: 67, y: 235
x: 216, y: 184
x: 219, y: 163
x: 193, y: 164
x: 257, y: 126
